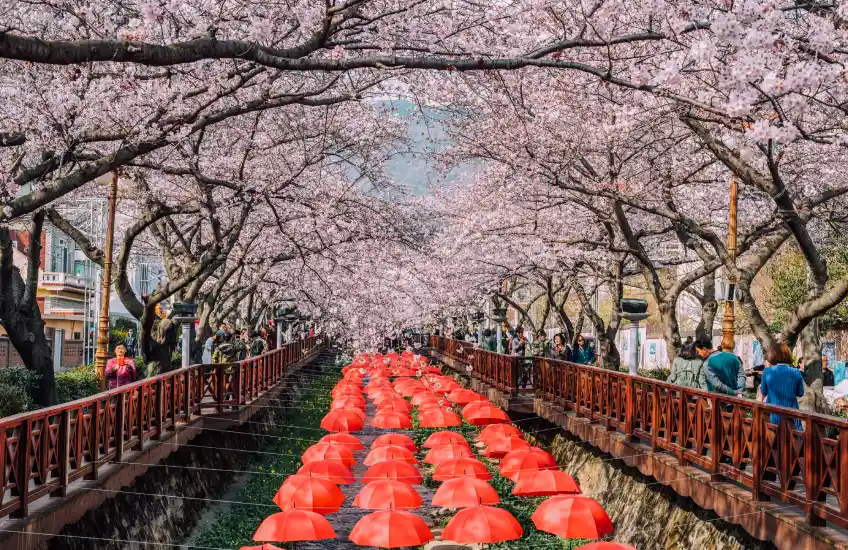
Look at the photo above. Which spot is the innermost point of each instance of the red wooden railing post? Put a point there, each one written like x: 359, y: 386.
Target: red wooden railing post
x: 63, y: 454
x: 238, y: 386
x: 219, y: 387
x: 812, y: 471
x: 715, y: 438
x: 159, y: 408
x: 94, y: 439
x: 120, y: 425
x: 187, y: 394
x: 22, y: 455
x: 655, y: 417
x: 629, y: 409
x: 757, y: 466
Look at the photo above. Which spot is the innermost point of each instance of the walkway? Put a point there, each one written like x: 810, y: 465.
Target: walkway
x: 344, y: 520
x: 781, y: 484
x: 61, y: 453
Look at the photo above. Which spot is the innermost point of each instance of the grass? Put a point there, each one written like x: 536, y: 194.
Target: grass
x: 234, y: 526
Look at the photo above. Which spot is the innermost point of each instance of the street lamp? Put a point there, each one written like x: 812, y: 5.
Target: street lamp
x: 102, y: 353
x: 185, y: 315
x: 728, y: 321
x: 634, y: 310
x: 499, y: 316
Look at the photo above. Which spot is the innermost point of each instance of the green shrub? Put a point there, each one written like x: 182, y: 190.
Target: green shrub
x: 16, y: 385
x: 76, y: 383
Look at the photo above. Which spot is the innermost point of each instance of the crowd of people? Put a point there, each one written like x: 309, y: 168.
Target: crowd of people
x: 515, y: 342
x: 226, y: 346
x: 700, y: 365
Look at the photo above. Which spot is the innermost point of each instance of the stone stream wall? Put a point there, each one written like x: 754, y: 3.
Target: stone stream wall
x: 136, y: 514
x: 646, y: 514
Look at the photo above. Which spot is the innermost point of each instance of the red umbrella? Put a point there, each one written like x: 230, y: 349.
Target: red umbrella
x: 482, y: 524
x: 474, y: 405
x: 387, y: 494
x: 572, y: 517
x: 447, y: 452
x: 342, y: 420
x: 497, y: 431
x: 487, y: 415
x: 464, y: 492
x: 329, y: 470
x: 390, y: 529
x: 443, y: 438
x: 400, y: 440
x: 464, y: 397
x: 309, y: 493
x: 346, y: 390
x: 429, y: 406
x: 344, y: 439
x: 294, y: 525
x: 602, y: 545
x: 499, y: 448
x: 396, y: 406
x: 265, y: 546
x: 439, y: 419
x: 385, y: 396
x: 545, y: 483
x: 348, y: 402
x: 413, y: 390
x: 391, y: 421
x: 393, y: 469
x: 424, y: 397
x: 390, y: 452
x: 459, y: 467
x: 514, y: 464
x: 328, y: 451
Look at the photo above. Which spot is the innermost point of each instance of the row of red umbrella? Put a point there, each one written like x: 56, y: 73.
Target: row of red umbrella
x: 392, y: 471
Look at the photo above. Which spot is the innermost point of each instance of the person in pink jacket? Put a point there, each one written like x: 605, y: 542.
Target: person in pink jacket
x: 121, y: 369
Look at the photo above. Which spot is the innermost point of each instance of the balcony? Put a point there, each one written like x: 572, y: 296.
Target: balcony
x: 57, y: 281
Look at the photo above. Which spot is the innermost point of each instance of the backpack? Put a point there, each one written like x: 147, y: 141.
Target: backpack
x: 257, y: 347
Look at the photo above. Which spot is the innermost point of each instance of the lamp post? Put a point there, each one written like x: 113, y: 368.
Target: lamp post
x: 102, y: 353
x: 634, y: 310
x: 728, y: 321
x: 185, y: 315
x: 278, y: 319
x: 499, y: 316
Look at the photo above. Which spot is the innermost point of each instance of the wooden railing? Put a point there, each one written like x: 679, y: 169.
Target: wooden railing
x: 496, y: 369
x: 43, y: 451
x: 802, y: 459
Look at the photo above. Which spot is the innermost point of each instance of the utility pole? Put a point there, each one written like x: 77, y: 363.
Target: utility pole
x: 102, y: 352
x: 728, y: 322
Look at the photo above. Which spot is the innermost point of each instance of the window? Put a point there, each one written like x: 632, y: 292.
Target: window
x: 144, y: 279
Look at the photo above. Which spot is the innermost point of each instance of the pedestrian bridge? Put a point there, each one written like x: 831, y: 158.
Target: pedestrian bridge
x: 782, y: 484
x: 59, y: 462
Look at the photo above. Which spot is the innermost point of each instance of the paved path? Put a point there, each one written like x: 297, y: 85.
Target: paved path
x: 344, y: 520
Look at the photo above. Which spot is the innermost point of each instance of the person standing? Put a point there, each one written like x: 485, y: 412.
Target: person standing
x: 258, y: 345
x: 782, y: 384
x: 120, y: 370
x: 541, y: 346
x: 208, y: 346
x: 560, y: 350
x: 722, y: 371
x: 583, y: 354
x: 686, y: 368
x: 489, y: 343
x: 131, y: 343
x: 518, y: 344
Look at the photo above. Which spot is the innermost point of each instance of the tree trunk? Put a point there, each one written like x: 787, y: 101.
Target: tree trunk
x: 671, y: 328
x: 19, y: 313
x: 26, y: 334
x: 158, y: 341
